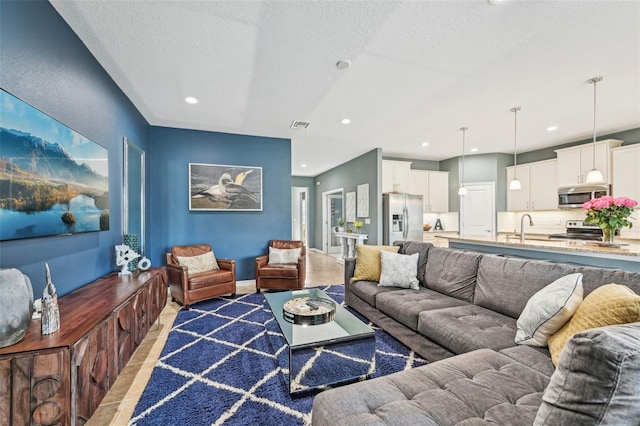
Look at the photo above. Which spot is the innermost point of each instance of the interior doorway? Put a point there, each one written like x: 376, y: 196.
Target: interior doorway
x: 332, y: 210
x: 300, y: 214
x: 478, y: 209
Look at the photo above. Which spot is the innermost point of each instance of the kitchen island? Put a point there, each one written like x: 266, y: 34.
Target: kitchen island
x: 588, y: 253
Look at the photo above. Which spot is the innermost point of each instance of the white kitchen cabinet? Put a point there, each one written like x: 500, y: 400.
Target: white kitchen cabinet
x: 395, y: 175
x: 543, y: 189
x: 626, y: 172
x: 434, y: 188
x: 574, y: 163
x: 539, y: 188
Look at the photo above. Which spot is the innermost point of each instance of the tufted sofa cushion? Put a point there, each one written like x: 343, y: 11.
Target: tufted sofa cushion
x: 467, y: 328
x: 475, y: 388
x: 506, y: 284
x: 368, y: 290
x: 405, y: 305
x: 452, y: 272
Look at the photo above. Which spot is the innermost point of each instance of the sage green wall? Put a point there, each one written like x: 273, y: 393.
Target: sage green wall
x: 417, y: 164
x: 309, y: 183
x: 478, y: 168
x: 629, y: 137
x: 451, y: 165
x: 362, y: 169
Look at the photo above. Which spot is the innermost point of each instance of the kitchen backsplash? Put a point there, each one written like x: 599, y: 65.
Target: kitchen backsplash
x: 449, y: 220
x: 554, y: 222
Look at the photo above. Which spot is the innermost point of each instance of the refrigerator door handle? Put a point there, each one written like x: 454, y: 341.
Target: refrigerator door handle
x: 405, y: 230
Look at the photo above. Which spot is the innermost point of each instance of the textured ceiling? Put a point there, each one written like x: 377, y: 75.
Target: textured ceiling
x: 420, y: 70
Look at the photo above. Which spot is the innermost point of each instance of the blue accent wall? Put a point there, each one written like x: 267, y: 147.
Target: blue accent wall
x: 45, y: 64
x: 237, y: 235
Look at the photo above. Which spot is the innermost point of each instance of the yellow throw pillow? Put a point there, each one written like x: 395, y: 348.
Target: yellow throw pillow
x: 368, y: 262
x: 607, y: 305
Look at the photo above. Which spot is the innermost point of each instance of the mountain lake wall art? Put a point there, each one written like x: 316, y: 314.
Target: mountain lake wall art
x: 53, y: 180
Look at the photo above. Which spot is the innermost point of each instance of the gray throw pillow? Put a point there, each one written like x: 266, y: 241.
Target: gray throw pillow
x: 398, y: 270
x: 597, y: 381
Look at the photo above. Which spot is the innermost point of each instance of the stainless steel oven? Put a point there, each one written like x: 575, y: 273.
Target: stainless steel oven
x: 573, y: 197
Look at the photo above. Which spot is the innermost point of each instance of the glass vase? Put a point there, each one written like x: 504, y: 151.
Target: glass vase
x: 608, y: 234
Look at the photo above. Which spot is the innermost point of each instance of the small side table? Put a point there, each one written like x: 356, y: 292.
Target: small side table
x: 348, y: 241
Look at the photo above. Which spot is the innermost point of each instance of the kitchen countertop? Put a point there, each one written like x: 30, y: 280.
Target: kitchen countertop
x: 543, y: 242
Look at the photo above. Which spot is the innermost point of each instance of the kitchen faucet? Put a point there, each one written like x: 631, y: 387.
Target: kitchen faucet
x: 522, y: 226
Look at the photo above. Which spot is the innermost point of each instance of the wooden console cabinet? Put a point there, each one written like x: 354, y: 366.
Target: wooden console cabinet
x: 61, y: 378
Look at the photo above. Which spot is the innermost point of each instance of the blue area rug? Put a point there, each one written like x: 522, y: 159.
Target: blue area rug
x: 218, y: 368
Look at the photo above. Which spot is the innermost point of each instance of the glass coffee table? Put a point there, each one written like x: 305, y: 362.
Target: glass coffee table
x: 320, y: 355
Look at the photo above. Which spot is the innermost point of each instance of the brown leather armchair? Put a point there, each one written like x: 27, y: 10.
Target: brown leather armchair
x: 200, y: 286
x: 281, y: 276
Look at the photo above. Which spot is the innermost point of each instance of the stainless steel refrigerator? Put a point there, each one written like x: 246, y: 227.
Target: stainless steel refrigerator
x: 402, y: 217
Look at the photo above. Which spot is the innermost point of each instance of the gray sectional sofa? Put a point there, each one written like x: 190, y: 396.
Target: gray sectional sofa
x: 464, y: 317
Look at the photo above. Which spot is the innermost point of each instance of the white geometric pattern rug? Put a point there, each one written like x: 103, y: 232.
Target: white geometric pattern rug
x: 218, y: 368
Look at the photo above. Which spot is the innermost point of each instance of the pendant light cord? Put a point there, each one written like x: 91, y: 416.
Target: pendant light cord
x: 515, y: 140
x: 464, y: 131
x: 594, y: 81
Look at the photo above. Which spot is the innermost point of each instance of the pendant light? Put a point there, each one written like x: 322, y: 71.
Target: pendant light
x: 595, y: 175
x: 515, y: 183
x: 462, y: 190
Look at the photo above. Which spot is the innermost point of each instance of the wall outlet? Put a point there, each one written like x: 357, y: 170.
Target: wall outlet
x: 367, y: 221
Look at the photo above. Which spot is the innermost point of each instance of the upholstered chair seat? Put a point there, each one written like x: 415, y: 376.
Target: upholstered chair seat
x: 282, y: 276
x: 189, y: 284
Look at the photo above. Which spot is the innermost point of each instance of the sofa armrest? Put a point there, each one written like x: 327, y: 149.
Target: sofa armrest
x: 349, y: 269
x: 228, y: 265
x: 262, y: 261
x: 178, y: 275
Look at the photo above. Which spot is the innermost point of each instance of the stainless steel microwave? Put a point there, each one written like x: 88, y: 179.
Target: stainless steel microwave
x: 574, y: 196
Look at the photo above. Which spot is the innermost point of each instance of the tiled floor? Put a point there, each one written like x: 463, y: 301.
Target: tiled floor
x: 118, y: 405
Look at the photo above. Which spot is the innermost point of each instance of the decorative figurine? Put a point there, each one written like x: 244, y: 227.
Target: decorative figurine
x: 50, y: 310
x: 124, y: 255
x: 144, y: 264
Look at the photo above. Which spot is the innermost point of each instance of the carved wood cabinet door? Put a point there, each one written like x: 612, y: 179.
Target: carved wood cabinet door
x: 125, y: 330
x: 90, y: 373
x: 34, y: 389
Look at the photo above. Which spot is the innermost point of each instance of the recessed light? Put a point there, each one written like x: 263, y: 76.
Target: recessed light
x: 303, y: 165
x: 343, y: 64
x: 552, y: 128
x: 424, y: 144
x: 345, y: 121
x: 474, y: 150
x: 191, y: 100
x: 496, y: 2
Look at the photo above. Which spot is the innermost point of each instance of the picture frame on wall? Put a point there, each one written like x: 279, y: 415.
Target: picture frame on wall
x: 218, y: 187
x: 53, y: 180
x: 363, y: 200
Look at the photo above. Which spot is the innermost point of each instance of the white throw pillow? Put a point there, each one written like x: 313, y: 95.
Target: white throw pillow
x: 201, y: 263
x: 548, y: 310
x: 284, y: 256
x: 398, y: 270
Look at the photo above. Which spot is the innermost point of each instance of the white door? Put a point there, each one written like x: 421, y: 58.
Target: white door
x: 299, y: 213
x: 332, y: 210
x: 477, y: 209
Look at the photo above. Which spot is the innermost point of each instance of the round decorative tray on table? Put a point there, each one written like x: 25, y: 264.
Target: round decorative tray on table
x: 309, y: 310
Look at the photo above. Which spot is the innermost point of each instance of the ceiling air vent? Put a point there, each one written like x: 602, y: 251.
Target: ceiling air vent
x: 296, y: 124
